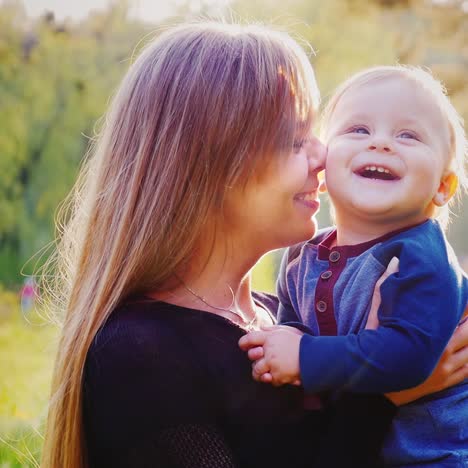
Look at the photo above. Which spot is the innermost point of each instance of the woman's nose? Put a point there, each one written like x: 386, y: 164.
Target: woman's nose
x: 317, y: 153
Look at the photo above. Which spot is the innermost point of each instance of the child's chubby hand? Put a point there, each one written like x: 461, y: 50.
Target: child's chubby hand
x: 275, y: 354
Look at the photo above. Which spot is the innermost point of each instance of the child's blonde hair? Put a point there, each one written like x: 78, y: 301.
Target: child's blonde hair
x: 201, y: 108
x: 458, y: 142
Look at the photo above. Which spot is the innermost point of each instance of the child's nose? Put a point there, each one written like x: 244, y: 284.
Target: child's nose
x: 381, y: 144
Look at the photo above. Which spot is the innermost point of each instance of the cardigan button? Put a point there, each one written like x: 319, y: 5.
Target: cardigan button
x: 321, y: 306
x: 334, y: 256
x: 326, y: 274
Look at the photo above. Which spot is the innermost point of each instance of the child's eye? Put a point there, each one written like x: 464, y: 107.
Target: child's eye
x: 408, y: 135
x: 359, y: 129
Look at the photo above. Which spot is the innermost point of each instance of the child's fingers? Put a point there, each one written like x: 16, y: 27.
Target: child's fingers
x: 255, y: 353
x: 252, y: 339
x: 266, y: 378
x: 260, y: 367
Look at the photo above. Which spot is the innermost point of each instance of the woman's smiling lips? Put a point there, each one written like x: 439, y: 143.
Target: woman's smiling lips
x: 308, y: 199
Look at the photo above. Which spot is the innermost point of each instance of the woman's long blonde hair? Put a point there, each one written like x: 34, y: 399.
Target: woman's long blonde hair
x: 200, y: 108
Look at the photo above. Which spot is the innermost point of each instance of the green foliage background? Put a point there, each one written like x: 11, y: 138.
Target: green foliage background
x: 55, y: 81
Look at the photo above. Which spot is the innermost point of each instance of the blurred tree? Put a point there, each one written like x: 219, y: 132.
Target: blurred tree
x: 343, y: 38
x: 55, y: 81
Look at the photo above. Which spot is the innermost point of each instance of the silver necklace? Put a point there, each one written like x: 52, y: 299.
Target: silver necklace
x: 247, y: 324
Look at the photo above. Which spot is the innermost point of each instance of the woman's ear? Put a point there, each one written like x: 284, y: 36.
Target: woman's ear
x: 447, y: 187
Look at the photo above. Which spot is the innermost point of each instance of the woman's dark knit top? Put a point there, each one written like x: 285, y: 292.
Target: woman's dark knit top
x: 168, y: 386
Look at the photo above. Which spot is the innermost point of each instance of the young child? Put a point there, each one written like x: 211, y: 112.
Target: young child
x: 396, y: 150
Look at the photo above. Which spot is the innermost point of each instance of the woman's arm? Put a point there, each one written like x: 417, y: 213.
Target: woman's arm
x: 359, y: 422
x: 451, y: 369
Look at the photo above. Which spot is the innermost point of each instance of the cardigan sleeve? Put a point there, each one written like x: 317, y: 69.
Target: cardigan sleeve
x: 421, y: 306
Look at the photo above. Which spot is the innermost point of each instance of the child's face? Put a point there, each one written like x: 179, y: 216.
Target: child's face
x: 388, y: 146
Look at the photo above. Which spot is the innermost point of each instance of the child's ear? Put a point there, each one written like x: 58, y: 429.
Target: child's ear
x: 447, y: 187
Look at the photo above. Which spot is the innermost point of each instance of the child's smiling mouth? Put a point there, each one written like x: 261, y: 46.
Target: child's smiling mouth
x: 374, y: 171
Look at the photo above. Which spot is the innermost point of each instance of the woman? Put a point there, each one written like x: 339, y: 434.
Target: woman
x: 206, y: 163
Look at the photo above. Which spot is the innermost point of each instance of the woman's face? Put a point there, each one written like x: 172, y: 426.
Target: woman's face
x: 278, y: 208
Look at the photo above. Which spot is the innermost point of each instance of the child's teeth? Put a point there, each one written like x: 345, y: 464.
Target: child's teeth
x: 377, y: 168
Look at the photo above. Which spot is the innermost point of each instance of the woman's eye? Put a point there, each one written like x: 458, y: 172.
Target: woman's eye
x: 298, y: 145
x: 360, y: 130
x: 408, y: 135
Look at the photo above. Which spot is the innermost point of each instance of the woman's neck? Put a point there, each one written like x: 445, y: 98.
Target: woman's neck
x: 217, y: 279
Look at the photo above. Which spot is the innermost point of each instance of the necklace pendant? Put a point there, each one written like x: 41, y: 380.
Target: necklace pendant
x: 248, y: 325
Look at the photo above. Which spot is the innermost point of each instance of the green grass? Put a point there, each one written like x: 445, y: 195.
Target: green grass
x: 20, y: 448
x: 26, y: 355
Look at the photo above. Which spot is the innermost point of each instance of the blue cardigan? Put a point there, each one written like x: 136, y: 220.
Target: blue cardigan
x: 421, y: 306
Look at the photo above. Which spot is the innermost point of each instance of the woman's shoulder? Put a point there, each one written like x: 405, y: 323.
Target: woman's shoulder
x: 141, y: 341
x: 142, y: 376
x: 153, y: 333
x: 146, y: 349
x: 133, y: 325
